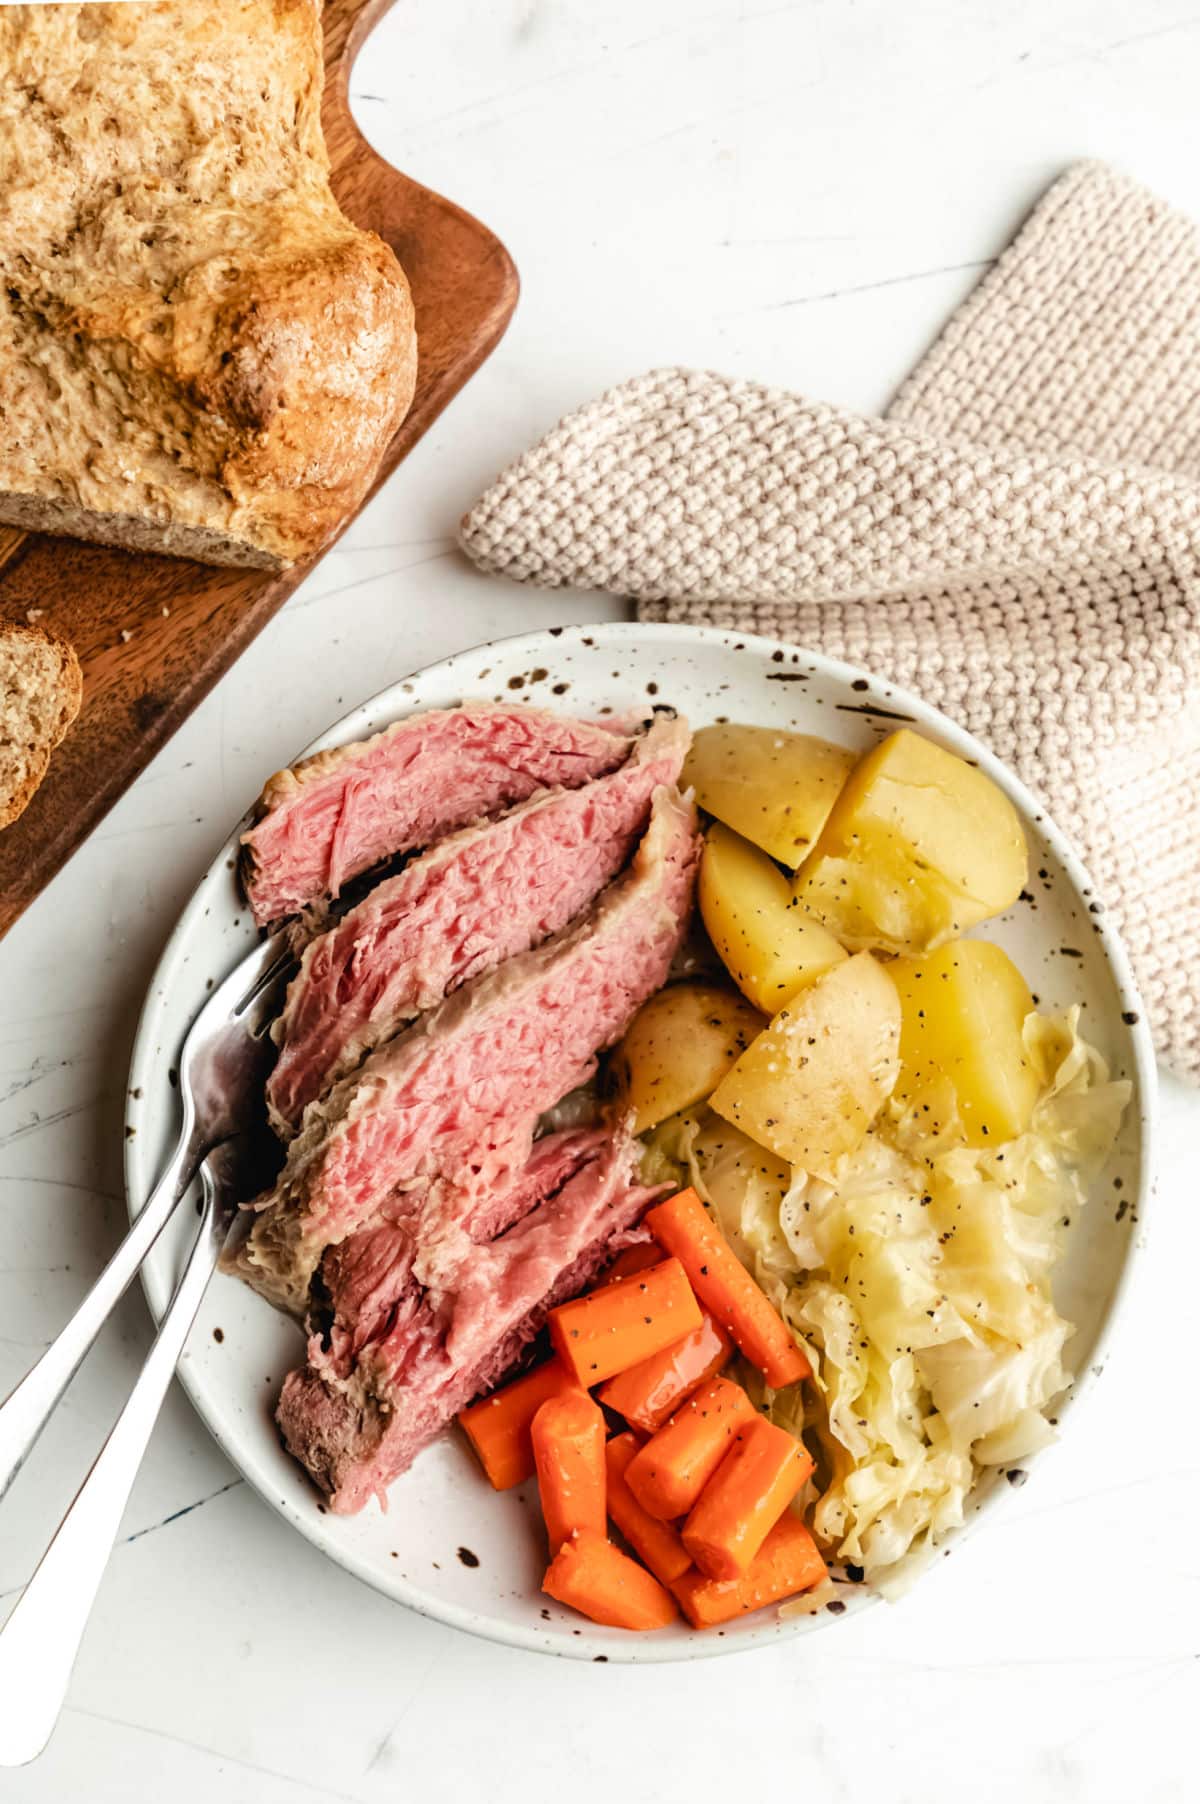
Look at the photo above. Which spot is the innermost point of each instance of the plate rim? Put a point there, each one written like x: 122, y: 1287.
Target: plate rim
x: 393, y: 702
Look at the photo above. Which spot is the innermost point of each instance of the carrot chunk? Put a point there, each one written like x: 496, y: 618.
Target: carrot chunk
x: 670, y: 1471
x: 682, y: 1226
x: 600, y: 1335
x: 787, y: 1562
x: 647, y: 1393
x: 592, y: 1576
x: 655, y: 1543
x: 498, y: 1426
x: 629, y: 1260
x: 568, y: 1451
x: 745, y: 1497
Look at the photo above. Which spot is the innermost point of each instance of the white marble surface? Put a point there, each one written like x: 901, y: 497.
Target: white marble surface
x: 798, y: 192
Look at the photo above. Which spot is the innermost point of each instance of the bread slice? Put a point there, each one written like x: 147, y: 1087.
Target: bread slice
x: 41, y: 687
x: 199, y: 353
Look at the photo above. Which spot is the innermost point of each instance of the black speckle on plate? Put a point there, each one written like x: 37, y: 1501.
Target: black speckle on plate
x: 467, y: 1557
x: 599, y: 1659
x: 1016, y: 1477
x: 870, y: 708
x: 218, y: 1335
x: 836, y: 1608
x: 1131, y: 1017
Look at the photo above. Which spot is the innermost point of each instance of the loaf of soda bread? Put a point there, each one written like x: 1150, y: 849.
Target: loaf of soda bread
x: 199, y: 353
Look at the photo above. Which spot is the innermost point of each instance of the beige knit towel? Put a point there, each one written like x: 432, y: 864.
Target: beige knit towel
x: 1018, y: 541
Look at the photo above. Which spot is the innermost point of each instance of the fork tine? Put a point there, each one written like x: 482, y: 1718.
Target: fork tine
x: 265, y: 979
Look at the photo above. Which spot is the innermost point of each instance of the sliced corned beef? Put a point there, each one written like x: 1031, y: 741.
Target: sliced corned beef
x: 357, y: 1429
x: 478, y: 897
x: 465, y: 1077
x: 483, y: 1160
x: 342, y: 811
x: 364, y: 1279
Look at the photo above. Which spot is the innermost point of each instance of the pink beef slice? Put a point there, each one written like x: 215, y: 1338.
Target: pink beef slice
x: 477, y: 898
x: 342, y: 811
x: 357, y: 1429
x: 365, y: 1279
x: 475, y: 1073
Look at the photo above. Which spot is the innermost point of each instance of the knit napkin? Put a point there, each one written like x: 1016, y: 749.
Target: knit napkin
x: 1017, y: 540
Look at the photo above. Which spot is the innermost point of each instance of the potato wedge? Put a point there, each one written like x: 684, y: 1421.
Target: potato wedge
x: 771, y: 947
x: 774, y: 788
x: 678, y: 1047
x: 962, y: 1012
x: 809, y: 1087
x: 919, y: 846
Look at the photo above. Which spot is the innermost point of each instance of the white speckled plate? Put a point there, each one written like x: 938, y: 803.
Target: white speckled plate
x: 448, y: 1546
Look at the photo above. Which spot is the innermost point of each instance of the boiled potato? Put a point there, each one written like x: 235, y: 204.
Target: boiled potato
x: 767, y: 942
x: 809, y: 1087
x: 678, y: 1047
x: 920, y: 846
x: 962, y: 1011
x: 775, y: 789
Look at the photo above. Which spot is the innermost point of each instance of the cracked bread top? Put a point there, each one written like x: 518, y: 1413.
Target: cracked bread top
x: 198, y: 350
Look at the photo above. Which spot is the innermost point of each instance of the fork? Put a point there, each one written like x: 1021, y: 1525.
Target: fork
x: 40, y: 1640
x: 224, y: 1059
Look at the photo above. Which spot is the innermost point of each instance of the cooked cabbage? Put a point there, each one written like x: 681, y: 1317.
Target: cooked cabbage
x: 918, y: 1277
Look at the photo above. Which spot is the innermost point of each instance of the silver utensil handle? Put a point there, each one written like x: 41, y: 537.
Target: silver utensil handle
x: 25, y: 1412
x: 41, y: 1638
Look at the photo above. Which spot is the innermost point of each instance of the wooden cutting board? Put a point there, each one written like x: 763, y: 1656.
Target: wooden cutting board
x: 137, y: 690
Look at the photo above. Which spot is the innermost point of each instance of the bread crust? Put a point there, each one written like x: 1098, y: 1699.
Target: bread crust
x: 199, y: 352
x: 68, y: 682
